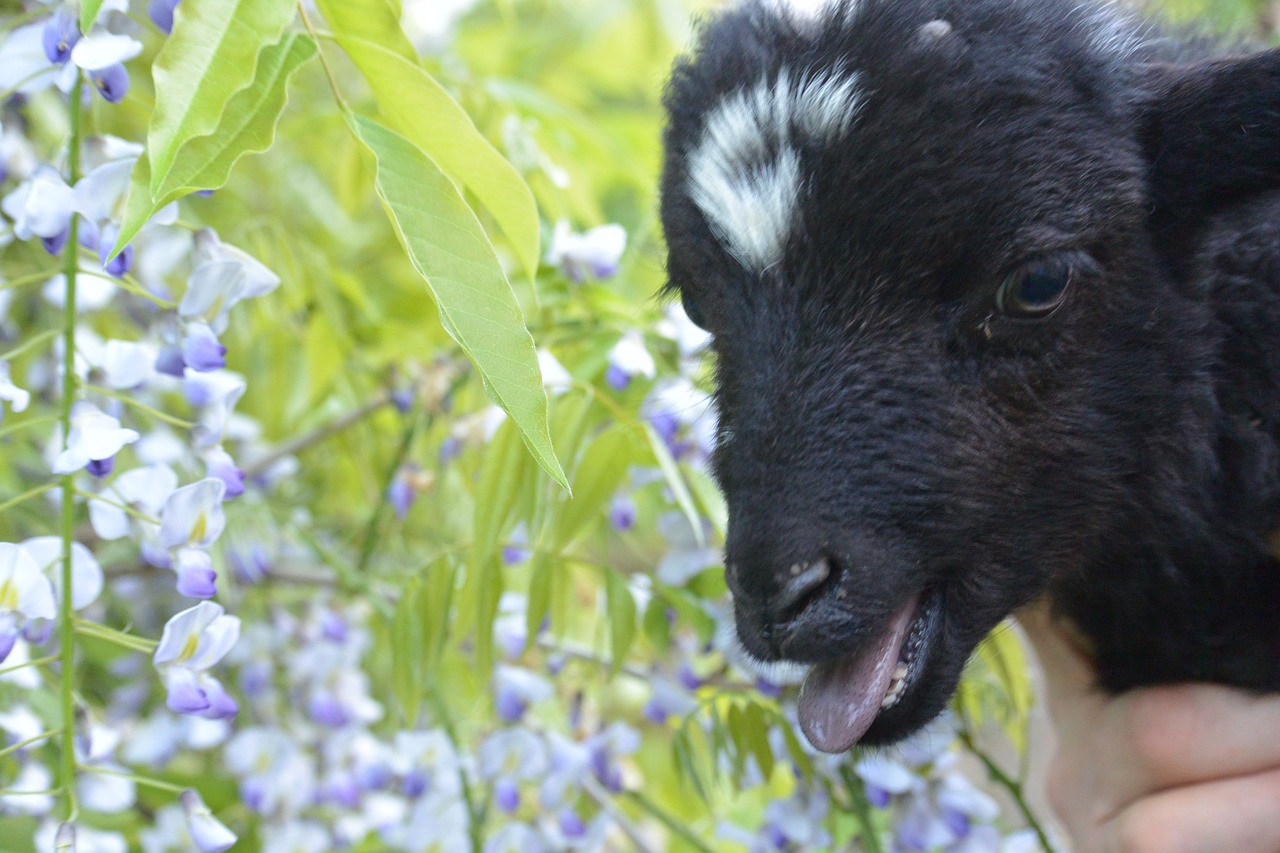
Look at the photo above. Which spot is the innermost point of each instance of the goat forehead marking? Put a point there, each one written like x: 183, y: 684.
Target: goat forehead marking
x: 804, y: 13
x: 745, y: 173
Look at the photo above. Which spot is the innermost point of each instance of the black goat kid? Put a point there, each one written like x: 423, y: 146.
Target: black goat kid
x: 995, y: 290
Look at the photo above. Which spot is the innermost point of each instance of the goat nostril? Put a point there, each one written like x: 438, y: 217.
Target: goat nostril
x: 800, y: 586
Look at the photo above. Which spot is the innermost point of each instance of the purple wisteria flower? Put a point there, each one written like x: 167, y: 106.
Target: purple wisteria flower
x: 60, y: 34
x: 161, y: 13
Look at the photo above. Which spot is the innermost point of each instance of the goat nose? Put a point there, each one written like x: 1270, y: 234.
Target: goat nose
x: 804, y: 580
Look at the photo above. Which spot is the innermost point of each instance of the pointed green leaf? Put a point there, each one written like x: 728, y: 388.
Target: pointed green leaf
x: 247, y: 126
x: 89, y: 13
x: 377, y: 21
x: 595, y: 480
x: 675, y: 481
x: 541, y: 583
x: 620, y: 605
x: 211, y: 55
x: 406, y: 653
x: 477, y: 306
x: 420, y: 109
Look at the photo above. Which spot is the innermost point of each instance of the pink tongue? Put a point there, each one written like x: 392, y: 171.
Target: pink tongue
x: 840, y: 699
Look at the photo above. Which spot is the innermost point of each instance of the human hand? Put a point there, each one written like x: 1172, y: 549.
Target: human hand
x: 1187, y: 768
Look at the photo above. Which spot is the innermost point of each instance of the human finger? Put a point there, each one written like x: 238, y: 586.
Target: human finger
x: 1241, y: 815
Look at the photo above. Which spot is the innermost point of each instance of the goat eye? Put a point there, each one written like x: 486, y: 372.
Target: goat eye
x: 1035, y: 290
x: 693, y: 311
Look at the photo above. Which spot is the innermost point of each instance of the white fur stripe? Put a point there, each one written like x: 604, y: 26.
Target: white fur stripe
x: 808, y: 12
x: 745, y: 173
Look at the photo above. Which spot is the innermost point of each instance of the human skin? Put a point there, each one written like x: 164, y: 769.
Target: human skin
x: 1187, y: 768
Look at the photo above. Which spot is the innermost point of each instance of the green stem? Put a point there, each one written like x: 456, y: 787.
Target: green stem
x: 32, y: 278
x: 29, y: 741
x: 133, y: 777
x: 1009, y: 784
x: 321, y: 433
x: 667, y: 820
x: 111, y: 635
x: 30, y: 344
x: 132, y: 285
x: 375, y: 517
x: 5, y: 432
x: 858, y: 797
x: 142, y: 407
x: 66, y: 625
x: 123, y: 507
x: 28, y: 494
x: 35, y: 662
x: 445, y: 719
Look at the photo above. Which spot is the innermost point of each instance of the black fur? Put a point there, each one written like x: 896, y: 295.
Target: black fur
x: 876, y: 410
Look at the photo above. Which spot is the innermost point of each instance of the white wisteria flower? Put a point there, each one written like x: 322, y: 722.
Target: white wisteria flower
x: 101, y: 49
x: 41, y: 206
x: 95, y: 437
x: 193, y: 641
x: 144, y: 490
x: 193, y: 515
x: 25, y: 593
x: 17, y: 398
x: 595, y: 253
x: 629, y: 358
x: 86, y: 574
x: 223, y: 276
x: 208, y: 833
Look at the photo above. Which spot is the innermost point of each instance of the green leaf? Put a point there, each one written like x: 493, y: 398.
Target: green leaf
x: 89, y: 13
x: 377, y: 21
x: 477, y: 307
x: 211, y: 54
x: 420, y: 109
x: 620, y: 606
x: 675, y: 481
x: 755, y: 737
x: 491, y: 586
x: 541, y: 582
x: 502, y: 478
x: 406, y: 653
x: 247, y: 126
x: 595, y: 480
x: 657, y: 627
x: 432, y: 605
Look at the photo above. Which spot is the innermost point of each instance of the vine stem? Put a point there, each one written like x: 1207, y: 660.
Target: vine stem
x: 66, y: 625
x: 1010, y: 784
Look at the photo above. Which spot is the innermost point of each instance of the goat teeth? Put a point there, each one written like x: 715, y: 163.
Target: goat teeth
x: 900, y: 672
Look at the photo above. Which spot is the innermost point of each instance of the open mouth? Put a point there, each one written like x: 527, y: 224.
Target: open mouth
x: 841, y: 699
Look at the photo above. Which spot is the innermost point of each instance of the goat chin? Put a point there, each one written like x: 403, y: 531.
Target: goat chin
x: 994, y: 292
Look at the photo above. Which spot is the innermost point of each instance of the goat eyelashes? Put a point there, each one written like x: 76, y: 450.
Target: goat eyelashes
x: 995, y: 295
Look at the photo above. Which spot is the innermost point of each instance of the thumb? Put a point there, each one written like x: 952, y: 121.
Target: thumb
x: 1062, y: 651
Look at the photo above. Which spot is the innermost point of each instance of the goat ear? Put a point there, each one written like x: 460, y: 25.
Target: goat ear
x: 1211, y: 135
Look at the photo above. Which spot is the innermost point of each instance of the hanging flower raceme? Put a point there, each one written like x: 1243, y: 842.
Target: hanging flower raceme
x: 193, y: 641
